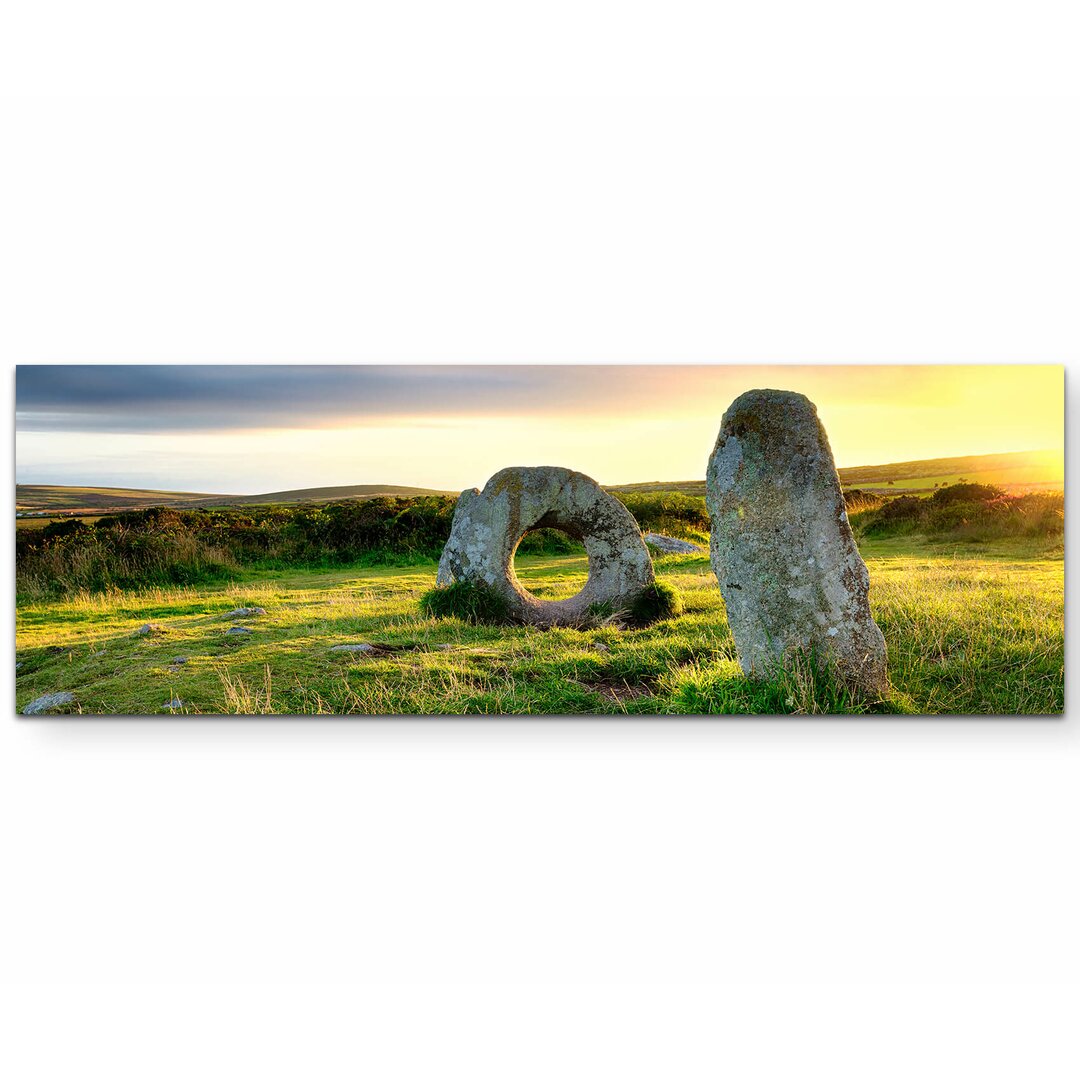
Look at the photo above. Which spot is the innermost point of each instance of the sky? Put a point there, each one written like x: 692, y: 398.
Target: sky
x: 248, y: 429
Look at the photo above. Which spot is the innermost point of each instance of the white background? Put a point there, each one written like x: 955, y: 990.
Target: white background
x: 568, y: 182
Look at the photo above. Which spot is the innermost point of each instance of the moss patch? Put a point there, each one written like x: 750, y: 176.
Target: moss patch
x: 469, y: 601
x: 655, y: 602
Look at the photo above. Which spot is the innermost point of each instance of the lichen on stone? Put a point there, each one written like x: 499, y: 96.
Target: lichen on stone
x: 781, y: 546
x: 488, y: 526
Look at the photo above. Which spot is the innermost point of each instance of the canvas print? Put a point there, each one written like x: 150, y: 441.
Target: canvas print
x: 546, y: 540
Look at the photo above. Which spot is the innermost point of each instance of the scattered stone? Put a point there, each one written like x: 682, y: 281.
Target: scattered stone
x: 791, y: 576
x: 243, y: 612
x: 176, y: 661
x: 360, y: 647
x: 238, y: 630
x: 150, y: 628
x: 176, y: 703
x: 489, y: 524
x: 48, y: 702
x: 670, y: 546
x: 445, y: 647
x: 599, y: 646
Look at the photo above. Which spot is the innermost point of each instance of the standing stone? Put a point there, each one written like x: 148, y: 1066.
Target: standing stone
x: 488, y: 526
x: 791, y: 576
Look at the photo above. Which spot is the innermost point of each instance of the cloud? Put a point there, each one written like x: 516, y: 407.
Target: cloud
x: 172, y: 398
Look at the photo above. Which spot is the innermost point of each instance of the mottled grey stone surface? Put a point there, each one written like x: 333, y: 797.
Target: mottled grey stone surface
x: 243, y: 612
x: 781, y: 546
x: 489, y: 524
x: 48, y: 702
x: 669, y: 545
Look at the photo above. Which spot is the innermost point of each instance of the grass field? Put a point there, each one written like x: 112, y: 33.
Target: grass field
x: 1015, y: 473
x: 46, y: 497
x: 974, y: 630
x: 1025, y: 471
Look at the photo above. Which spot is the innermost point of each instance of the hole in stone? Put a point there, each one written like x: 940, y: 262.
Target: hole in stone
x: 551, y: 565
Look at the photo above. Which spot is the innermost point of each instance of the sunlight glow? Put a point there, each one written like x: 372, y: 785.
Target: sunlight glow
x: 658, y: 423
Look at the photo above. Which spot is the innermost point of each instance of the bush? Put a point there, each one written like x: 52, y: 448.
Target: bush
x: 856, y: 500
x: 469, y: 601
x: 548, y: 542
x: 655, y: 602
x: 894, y: 517
x: 669, y: 512
x: 973, y: 512
x: 966, y: 493
x: 165, y: 546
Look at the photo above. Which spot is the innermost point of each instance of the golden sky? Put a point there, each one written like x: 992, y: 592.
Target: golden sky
x: 245, y: 430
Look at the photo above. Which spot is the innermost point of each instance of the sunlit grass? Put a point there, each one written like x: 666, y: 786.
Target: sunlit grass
x: 967, y: 633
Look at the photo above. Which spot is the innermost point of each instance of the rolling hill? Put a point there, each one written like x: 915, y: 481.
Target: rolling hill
x: 1019, y: 472
x: 58, y: 498
x: 1037, y: 470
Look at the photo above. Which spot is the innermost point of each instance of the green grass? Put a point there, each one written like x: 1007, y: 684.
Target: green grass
x: 972, y: 630
x: 1022, y: 471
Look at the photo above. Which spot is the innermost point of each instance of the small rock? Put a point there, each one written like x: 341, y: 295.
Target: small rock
x: 46, y: 702
x: 444, y: 647
x: 149, y: 628
x: 238, y: 630
x: 670, y: 546
x: 243, y: 612
x: 599, y: 646
x: 361, y: 647
x: 176, y: 661
x: 176, y: 703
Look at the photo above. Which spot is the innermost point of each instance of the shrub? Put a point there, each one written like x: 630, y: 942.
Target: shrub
x: 655, y: 602
x: 466, y: 600
x: 965, y: 493
x: 669, y: 512
x: 856, y: 500
x: 896, y: 516
x: 972, y: 512
x: 549, y: 542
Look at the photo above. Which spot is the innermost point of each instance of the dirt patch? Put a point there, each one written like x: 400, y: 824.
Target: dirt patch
x: 617, y: 691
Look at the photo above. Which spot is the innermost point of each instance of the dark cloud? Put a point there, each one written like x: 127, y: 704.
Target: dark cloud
x: 199, y: 398
x: 145, y: 398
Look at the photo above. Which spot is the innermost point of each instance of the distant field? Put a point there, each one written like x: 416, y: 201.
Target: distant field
x: 684, y: 487
x: 1016, y: 473
x: 1034, y: 471
x: 327, y: 494
x: 42, y: 497
x: 60, y: 497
